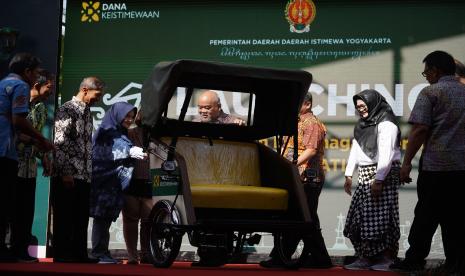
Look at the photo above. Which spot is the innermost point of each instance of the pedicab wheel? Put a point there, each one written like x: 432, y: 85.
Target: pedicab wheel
x: 165, y: 241
x: 285, y: 244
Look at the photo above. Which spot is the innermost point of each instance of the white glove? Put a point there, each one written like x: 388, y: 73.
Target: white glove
x: 137, y: 153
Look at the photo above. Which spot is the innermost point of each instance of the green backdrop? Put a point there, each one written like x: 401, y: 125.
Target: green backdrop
x: 351, y: 45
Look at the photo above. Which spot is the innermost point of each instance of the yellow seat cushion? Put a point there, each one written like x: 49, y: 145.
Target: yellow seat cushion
x: 238, y: 197
x: 226, y: 162
x: 227, y: 175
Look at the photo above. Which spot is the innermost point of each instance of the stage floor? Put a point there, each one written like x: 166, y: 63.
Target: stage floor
x: 47, y: 267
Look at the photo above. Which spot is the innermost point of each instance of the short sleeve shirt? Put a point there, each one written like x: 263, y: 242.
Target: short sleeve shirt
x: 311, y: 135
x: 14, y: 99
x: 441, y: 106
x: 27, y: 164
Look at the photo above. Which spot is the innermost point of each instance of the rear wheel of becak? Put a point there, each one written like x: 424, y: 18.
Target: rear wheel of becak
x: 165, y: 241
x: 291, y: 249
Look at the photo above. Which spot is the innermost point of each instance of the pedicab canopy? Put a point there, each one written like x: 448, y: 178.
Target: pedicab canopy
x: 278, y: 95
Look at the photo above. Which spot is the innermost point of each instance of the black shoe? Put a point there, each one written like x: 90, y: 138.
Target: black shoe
x: 318, y: 263
x: 209, y: 263
x: 27, y: 259
x: 7, y: 257
x: 86, y: 260
x: 146, y: 260
x: 449, y: 268
x: 271, y: 263
x: 407, y: 265
x: 75, y: 260
x: 64, y: 260
x: 324, y: 265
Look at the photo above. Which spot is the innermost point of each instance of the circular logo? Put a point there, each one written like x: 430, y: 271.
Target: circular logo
x: 299, y: 14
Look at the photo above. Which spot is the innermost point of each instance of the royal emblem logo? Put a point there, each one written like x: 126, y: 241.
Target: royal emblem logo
x: 90, y: 11
x: 299, y: 14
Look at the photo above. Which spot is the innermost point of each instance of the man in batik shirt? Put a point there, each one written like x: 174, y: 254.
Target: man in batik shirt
x: 438, y: 124
x: 311, y: 134
x: 72, y: 173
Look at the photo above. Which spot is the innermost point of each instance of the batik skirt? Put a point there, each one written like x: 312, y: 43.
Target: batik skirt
x: 373, y: 226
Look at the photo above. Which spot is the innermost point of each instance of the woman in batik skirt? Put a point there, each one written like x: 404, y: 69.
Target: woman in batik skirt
x: 372, y: 223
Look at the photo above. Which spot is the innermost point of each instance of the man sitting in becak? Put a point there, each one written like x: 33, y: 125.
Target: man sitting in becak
x: 210, y: 110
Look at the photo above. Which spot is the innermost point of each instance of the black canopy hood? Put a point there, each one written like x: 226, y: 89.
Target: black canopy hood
x: 278, y: 96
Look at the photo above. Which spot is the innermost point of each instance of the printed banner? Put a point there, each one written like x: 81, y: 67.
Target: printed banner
x: 348, y: 46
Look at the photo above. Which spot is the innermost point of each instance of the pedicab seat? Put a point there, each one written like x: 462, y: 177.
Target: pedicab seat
x: 238, y: 197
x: 226, y: 174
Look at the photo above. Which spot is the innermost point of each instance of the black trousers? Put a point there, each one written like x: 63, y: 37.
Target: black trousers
x: 440, y: 202
x: 24, y: 214
x: 318, y: 251
x: 70, y: 219
x: 7, y: 195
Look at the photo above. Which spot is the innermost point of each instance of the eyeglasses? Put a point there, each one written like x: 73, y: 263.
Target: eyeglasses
x: 361, y: 107
x: 424, y: 73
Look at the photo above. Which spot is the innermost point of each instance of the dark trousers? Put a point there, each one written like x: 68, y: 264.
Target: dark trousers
x: 101, y: 238
x: 7, y: 196
x: 440, y: 202
x: 70, y: 219
x: 317, y: 248
x: 317, y: 245
x: 24, y: 215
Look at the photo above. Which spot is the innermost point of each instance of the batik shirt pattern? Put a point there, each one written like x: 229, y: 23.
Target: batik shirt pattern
x: 311, y: 134
x: 73, y: 140
x: 441, y: 106
x: 27, y: 154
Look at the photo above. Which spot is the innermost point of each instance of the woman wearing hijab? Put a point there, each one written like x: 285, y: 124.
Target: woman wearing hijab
x: 372, y: 223
x: 112, y: 166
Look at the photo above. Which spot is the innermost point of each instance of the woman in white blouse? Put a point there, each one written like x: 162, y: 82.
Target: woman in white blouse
x: 372, y: 223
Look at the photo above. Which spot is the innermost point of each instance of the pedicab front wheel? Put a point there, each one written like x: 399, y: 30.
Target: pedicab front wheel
x: 165, y: 241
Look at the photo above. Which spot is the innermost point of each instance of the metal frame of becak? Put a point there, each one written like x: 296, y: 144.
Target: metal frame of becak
x: 220, y: 234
